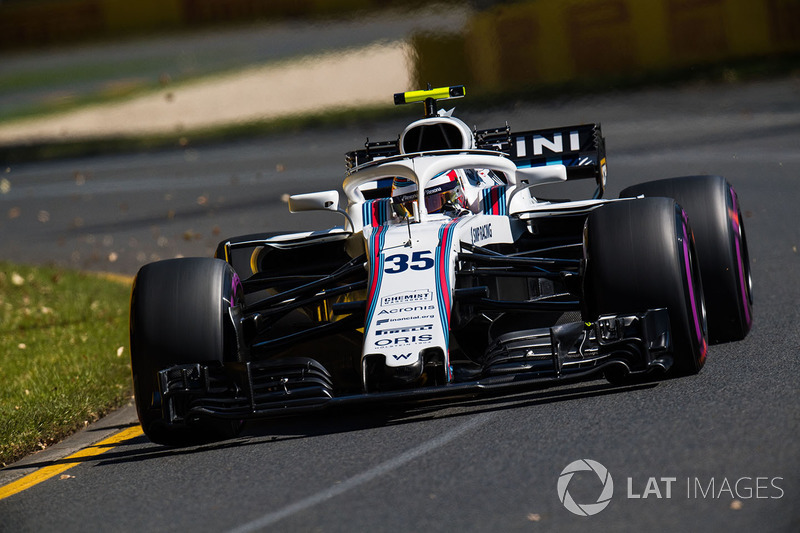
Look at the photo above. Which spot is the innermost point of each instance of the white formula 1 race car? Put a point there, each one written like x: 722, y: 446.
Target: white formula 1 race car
x: 448, y: 278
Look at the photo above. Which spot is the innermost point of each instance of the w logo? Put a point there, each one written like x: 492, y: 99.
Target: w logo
x: 585, y: 509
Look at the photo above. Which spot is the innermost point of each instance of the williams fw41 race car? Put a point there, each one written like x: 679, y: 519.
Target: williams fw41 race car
x: 448, y: 278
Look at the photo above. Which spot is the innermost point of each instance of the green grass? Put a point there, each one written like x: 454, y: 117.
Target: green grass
x: 64, y: 357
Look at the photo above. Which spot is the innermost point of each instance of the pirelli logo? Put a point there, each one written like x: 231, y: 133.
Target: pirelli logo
x: 406, y: 329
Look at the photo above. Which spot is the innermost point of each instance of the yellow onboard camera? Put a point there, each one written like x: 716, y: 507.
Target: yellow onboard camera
x: 430, y: 96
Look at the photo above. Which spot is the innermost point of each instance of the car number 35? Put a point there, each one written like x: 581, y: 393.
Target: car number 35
x: 396, y: 263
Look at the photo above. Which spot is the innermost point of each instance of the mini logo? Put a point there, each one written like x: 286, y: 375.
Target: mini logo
x: 585, y: 509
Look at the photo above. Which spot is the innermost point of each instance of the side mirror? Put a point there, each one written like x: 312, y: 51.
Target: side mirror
x: 529, y: 177
x: 541, y: 175
x: 314, y: 201
x: 318, y: 201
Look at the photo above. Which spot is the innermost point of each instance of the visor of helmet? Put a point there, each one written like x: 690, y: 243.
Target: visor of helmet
x: 438, y: 196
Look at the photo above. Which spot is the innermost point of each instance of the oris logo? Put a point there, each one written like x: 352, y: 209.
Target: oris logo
x: 404, y: 341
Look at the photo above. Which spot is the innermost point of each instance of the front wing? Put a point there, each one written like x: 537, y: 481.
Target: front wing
x: 613, y: 345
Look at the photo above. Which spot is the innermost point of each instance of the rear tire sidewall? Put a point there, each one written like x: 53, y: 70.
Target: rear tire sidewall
x: 639, y: 255
x: 179, y: 314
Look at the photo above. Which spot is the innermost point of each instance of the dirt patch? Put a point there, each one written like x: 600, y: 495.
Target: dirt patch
x: 354, y: 78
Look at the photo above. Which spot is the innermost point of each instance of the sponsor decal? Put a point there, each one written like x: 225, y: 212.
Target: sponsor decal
x: 406, y: 310
x: 402, y: 319
x: 537, y: 144
x: 403, y: 356
x: 404, y: 340
x: 481, y: 233
x: 406, y: 329
x: 407, y: 297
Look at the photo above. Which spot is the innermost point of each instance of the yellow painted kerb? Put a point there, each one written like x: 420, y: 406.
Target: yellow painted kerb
x: 68, y: 462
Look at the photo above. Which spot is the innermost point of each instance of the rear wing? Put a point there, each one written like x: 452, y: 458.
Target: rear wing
x: 582, y: 149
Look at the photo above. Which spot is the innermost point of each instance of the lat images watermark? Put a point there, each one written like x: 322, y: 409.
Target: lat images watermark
x: 585, y: 509
x: 660, y: 487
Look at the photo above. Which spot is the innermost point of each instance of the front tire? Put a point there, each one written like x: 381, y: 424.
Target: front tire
x: 713, y: 208
x: 179, y: 314
x: 639, y: 255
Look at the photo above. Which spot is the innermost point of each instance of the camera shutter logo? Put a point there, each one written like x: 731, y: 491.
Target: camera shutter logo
x: 585, y: 509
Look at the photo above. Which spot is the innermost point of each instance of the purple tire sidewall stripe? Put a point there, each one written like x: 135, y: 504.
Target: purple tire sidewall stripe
x: 236, y: 285
x: 737, y: 237
x: 690, y: 279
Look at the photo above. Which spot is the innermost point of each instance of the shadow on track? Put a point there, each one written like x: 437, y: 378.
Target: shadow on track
x: 345, y: 420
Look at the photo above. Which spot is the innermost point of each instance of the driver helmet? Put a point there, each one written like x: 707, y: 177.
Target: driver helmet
x: 442, y: 194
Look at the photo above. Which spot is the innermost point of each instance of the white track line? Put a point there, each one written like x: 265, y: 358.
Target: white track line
x: 359, y: 479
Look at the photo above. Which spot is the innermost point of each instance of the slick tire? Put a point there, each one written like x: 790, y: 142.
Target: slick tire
x: 179, y: 314
x: 639, y: 255
x: 716, y: 218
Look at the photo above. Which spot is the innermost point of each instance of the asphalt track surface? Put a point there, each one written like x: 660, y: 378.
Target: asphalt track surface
x: 728, y: 436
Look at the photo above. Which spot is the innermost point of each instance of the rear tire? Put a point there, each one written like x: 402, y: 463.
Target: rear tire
x: 713, y: 209
x: 639, y: 255
x: 179, y: 314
